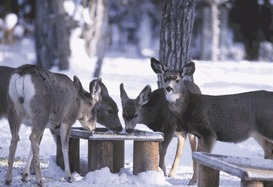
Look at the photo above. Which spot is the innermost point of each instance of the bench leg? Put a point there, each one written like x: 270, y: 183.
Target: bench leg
x: 207, y: 176
x: 248, y: 183
x: 74, y: 154
x: 105, y: 154
x: 118, y: 148
x: 145, y: 156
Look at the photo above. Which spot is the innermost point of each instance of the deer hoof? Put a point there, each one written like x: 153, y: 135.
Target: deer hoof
x: 25, y: 177
x: 171, y: 174
x: 192, y: 182
x: 40, y: 183
x: 69, y: 179
x: 7, y: 182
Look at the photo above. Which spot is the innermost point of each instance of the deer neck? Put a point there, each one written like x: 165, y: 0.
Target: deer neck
x: 182, y: 96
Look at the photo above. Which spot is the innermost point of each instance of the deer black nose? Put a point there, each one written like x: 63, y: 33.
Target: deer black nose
x: 129, y: 130
x: 169, y: 89
x: 119, y: 129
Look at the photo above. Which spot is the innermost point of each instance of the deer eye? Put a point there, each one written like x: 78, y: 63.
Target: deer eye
x: 135, y: 116
x: 110, y: 111
x: 177, y: 80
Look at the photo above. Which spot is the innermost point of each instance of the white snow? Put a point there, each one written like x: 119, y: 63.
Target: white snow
x: 10, y: 21
x: 213, y: 78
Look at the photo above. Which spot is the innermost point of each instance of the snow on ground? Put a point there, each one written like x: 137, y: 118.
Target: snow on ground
x: 213, y: 78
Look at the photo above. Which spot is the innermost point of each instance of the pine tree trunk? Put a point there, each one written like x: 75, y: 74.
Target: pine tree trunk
x: 176, y: 33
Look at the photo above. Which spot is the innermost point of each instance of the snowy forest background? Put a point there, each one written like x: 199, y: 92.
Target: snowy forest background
x: 122, y: 35
x: 223, y: 29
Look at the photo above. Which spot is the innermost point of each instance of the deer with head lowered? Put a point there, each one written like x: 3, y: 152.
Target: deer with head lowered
x: 40, y: 99
x: 151, y: 108
x: 227, y: 118
x: 106, y: 110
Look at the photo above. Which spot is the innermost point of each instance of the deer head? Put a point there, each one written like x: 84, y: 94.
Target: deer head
x: 106, y: 110
x: 173, y: 79
x: 131, y: 107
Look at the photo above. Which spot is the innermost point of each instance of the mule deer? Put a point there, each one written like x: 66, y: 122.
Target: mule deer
x: 41, y: 99
x: 106, y: 109
x: 228, y: 118
x: 151, y: 108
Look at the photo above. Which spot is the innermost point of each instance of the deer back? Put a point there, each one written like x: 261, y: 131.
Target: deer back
x: 54, y: 98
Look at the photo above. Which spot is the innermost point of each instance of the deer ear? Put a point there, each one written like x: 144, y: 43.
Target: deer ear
x: 78, y: 84
x: 144, y: 95
x: 188, y: 69
x: 104, y: 91
x: 95, y: 90
x: 158, y: 67
x: 123, y: 95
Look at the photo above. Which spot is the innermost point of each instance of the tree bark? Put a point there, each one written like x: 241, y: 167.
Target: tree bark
x: 176, y: 33
x: 51, y: 34
x: 96, y: 34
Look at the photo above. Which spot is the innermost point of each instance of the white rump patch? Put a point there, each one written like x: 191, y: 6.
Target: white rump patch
x: 21, y: 88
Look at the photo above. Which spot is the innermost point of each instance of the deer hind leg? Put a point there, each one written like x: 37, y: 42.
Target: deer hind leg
x: 32, y: 165
x: 35, y: 137
x: 14, y: 129
x: 181, y: 137
x: 265, y: 144
x: 64, y: 134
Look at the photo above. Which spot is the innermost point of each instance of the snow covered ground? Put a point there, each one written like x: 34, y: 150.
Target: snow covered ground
x: 213, y: 78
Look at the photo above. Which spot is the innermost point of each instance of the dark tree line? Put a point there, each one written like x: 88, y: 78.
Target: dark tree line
x: 252, y: 23
x: 124, y: 23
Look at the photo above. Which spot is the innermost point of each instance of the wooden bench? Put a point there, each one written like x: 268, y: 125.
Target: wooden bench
x: 106, y: 149
x: 252, y: 171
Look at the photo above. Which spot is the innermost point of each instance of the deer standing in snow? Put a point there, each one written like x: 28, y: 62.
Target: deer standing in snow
x: 41, y: 99
x: 228, y: 118
x: 151, y: 108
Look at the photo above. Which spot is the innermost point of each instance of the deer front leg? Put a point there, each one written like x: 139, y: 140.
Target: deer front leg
x: 193, y: 144
x: 162, y: 153
x: 181, y: 136
x: 64, y: 134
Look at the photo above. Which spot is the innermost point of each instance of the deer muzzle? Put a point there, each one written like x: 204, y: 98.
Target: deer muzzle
x: 169, y: 89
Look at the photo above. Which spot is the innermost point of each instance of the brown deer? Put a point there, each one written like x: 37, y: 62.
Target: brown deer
x: 41, y: 99
x: 151, y: 108
x: 228, y: 118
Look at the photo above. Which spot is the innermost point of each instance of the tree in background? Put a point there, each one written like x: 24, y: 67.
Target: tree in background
x: 52, y: 34
x: 176, y: 33
x: 96, y: 34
